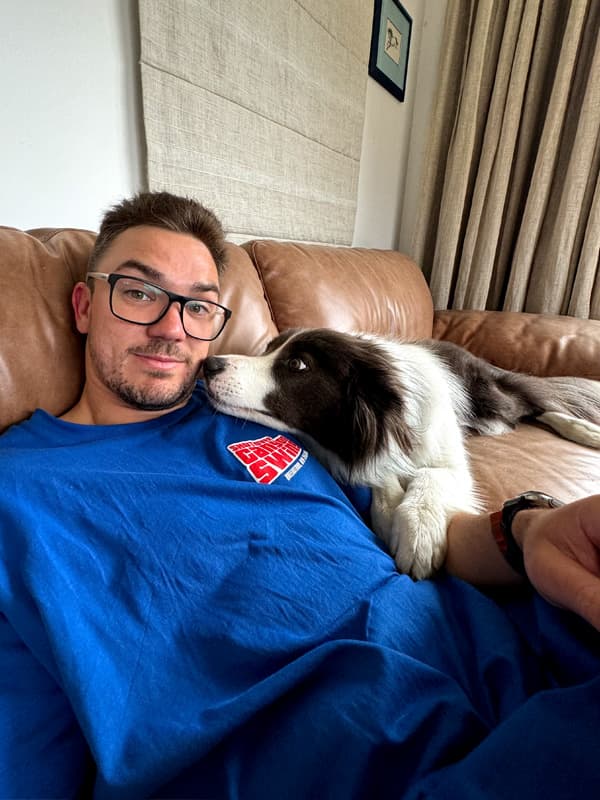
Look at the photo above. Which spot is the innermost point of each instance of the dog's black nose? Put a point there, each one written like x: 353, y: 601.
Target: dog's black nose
x: 212, y: 365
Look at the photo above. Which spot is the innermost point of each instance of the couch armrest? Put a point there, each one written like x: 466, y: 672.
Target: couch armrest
x: 539, y: 344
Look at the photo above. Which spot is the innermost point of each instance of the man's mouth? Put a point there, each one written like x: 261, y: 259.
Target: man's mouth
x: 159, y: 362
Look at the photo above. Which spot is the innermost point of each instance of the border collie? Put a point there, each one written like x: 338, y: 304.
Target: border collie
x: 392, y: 415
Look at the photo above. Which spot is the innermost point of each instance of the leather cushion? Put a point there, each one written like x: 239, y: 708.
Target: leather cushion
x: 532, y: 457
x: 41, y: 355
x: 538, y: 344
x: 345, y: 288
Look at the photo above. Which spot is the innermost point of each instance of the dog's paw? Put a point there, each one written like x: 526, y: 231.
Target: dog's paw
x: 384, y: 502
x: 419, y: 539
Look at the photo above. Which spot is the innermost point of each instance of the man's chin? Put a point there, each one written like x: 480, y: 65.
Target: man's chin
x: 156, y: 405
x: 154, y: 399
x: 155, y: 390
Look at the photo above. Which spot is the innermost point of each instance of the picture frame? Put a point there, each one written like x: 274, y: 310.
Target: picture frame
x: 390, y: 46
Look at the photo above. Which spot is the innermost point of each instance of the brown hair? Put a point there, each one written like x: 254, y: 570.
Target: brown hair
x: 162, y: 210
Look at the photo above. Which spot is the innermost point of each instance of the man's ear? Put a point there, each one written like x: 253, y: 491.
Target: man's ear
x: 81, y: 299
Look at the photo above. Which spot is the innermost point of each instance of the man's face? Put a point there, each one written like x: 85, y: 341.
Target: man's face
x: 146, y: 367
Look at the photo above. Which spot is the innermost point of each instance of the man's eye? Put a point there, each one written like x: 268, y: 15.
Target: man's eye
x: 198, y: 309
x: 297, y: 364
x: 139, y: 296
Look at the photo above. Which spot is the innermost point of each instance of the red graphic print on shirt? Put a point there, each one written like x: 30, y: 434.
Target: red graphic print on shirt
x: 269, y: 457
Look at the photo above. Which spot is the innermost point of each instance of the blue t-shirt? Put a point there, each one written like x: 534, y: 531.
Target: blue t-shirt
x: 192, y: 607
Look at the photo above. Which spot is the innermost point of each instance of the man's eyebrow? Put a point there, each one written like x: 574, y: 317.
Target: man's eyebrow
x: 156, y: 276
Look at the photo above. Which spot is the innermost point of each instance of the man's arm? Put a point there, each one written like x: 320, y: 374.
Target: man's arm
x: 561, y: 549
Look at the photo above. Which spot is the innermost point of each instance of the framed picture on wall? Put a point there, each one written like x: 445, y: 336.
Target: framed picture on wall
x: 390, y: 45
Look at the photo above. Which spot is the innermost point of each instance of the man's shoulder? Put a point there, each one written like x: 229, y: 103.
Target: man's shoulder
x: 21, y: 432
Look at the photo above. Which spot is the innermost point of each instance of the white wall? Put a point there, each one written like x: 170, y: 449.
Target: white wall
x: 394, y: 138
x: 71, y: 133
x: 71, y: 139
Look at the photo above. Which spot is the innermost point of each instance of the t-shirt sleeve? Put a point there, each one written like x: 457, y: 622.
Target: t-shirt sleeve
x: 360, y: 497
x: 42, y: 750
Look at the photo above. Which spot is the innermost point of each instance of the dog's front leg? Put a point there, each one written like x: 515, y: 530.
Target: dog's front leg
x: 415, y: 531
x: 384, y: 502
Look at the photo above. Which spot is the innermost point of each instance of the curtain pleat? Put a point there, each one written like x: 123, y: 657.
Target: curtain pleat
x: 509, y: 217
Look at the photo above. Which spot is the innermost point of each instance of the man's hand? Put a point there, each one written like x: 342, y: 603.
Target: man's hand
x: 561, y: 548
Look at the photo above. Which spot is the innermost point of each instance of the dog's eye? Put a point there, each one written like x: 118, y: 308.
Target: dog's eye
x: 296, y: 364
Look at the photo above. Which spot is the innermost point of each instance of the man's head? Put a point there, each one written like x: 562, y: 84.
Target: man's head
x: 144, y: 348
x: 161, y: 210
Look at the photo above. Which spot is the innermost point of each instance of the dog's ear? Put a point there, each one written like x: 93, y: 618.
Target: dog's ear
x: 366, y: 436
x: 374, y: 394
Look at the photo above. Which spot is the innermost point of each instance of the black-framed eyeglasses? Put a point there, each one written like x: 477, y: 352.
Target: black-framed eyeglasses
x: 135, y: 300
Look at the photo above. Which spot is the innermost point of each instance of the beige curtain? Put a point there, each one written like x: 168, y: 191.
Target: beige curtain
x: 510, y: 212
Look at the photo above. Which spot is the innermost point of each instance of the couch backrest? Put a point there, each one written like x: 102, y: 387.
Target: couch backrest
x: 41, y: 355
x: 270, y: 286
x: 348, y: 289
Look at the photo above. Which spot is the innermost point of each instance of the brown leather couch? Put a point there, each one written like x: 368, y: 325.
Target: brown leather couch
x: 271, y: 286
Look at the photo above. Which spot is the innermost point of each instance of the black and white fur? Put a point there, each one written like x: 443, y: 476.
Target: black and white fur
x: 392, y: 415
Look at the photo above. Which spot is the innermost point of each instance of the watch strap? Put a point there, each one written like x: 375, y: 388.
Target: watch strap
x: 501, y: 524
x: 507, y: 544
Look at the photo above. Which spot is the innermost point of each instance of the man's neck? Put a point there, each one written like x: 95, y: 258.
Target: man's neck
x: 85, y: 413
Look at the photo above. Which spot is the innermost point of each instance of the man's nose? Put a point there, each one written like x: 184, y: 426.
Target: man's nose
x: 170, y: 326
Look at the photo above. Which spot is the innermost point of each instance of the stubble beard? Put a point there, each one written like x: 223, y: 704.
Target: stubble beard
x: 145, y: 398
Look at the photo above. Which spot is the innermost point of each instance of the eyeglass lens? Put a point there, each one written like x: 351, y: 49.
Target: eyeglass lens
x: 134, y: 300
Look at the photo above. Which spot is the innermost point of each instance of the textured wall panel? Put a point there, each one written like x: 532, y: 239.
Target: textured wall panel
x: 257, y: 110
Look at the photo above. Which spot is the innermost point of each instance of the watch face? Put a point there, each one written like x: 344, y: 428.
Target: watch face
x: 540, y: 500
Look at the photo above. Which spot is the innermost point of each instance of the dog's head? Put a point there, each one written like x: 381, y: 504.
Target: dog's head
x: 337, y: 389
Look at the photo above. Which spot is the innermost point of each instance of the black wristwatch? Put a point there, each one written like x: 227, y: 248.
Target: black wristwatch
x: 501, y: 522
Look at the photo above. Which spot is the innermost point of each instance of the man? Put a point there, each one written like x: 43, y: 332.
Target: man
x: 170, y: 627
x: 136, y: 372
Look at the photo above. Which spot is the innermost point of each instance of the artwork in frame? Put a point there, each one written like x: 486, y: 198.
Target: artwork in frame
x: 390, y: 45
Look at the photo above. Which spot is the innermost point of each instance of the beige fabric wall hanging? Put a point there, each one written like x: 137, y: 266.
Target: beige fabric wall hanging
x: 257, y: 109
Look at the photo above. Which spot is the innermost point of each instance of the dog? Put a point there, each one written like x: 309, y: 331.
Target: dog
x: 393, y: 415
